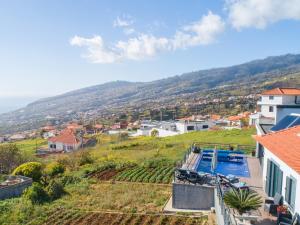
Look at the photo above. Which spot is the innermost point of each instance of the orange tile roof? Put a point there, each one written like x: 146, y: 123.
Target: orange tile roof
x: 285, y: 144
x: 282, y: 91
x: 67, y: 136
x: 215, y: 116
x: 235, y: 118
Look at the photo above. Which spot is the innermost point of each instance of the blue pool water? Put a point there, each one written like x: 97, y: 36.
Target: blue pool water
x: 224, y: 167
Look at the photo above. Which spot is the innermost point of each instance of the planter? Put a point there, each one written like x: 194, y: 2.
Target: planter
x: 246, y: 218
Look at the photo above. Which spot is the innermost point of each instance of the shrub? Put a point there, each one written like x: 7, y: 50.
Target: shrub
x: 55, y: 190
x: 84, y: 158
x: 30, y: 169
x: 69, y: 179
x: 54, y: 169
x: 154, y: 133
x: 36, y: 194
x: 243, y: 200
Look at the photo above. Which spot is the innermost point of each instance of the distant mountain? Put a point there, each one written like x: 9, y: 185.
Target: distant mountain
x: 118, y: 96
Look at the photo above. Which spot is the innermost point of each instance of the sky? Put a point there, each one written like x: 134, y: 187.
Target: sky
x: 51, y: 47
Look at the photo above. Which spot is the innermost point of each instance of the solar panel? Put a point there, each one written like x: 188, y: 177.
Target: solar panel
x: 286, y: 122
x: 296, y: 122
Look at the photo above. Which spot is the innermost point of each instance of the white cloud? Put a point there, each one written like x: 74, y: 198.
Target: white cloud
x: 96, y: 51
x: 260, y: 13
x: 129, y: 30
x: 202, y: 32
x: 124, y: 21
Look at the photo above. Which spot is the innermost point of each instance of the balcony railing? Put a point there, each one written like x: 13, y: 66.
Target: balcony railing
x: 225, y: 211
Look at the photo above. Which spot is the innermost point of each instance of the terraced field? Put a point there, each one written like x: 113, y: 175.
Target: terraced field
x: 159, y: 174
x: 64, y: 217
x: 162, y: 174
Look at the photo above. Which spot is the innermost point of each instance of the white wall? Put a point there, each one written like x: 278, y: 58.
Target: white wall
x: 164, y: 133
x: 287, y: 172
x: 278, y: 100
x: 265, y: 111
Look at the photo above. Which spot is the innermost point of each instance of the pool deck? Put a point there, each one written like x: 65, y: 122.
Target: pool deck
x: 254, y: 181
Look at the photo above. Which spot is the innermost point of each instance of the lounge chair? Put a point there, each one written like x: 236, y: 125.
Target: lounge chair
x: 272, y: 203
x: 233, y: 182
x: 181, y: 174
x: 196, y: 178
x: 287, y: 219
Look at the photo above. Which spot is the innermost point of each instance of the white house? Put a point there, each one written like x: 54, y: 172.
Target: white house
x: 188, y: 126
x: 275, y: 104
x: 171, y: 128
x: 281, y: 165
x: 66, y: 141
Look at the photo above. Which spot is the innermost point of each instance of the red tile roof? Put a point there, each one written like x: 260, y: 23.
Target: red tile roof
x: 215, y: 117
x: 282, y: 91
x: 235, y: 118
x: 285, y: 144
x: 67, y: 136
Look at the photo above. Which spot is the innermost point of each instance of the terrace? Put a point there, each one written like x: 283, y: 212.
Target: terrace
x: 229, y: 160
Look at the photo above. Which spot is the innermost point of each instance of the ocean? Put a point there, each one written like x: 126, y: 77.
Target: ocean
x: 8, y: 104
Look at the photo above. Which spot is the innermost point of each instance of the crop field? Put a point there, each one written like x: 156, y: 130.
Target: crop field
x: 160, y: 174
x: 63, y: 217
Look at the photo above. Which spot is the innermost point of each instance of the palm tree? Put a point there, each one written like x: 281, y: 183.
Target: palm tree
x: 242, y: 200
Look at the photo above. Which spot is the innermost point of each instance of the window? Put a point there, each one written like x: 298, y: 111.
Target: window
x: 271, y: 97
x: 297, y: 99
x: 190, y: 128
x: 271, y: 108
x: 205, y: 127
x: 290, y: 191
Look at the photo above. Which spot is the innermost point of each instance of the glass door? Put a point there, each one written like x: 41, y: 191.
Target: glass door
x: 273, y: 179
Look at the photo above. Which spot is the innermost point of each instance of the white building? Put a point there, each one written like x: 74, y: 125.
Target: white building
x: 172, y: 128
x: 66, y: 141
x: 274, y: 105
x: 281, y: 165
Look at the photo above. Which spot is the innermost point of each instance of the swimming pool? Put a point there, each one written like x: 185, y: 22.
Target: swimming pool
x: 237, y: 167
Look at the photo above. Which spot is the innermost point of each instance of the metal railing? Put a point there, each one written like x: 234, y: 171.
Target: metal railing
x: 225, y: 211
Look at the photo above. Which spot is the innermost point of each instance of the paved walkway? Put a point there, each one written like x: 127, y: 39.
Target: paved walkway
x: 256, y: 183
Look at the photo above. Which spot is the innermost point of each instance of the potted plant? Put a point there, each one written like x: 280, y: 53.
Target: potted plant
x: 282, y: 209
x: 242, y: 201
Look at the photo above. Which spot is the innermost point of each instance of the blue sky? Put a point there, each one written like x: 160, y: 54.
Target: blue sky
x: 50, y: 47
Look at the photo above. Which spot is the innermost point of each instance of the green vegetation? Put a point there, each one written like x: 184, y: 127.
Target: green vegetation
x: 36, y: 194
x: 242, y: 201
x: 29, y: 146
x: 159, y: 174
x: 81, y: 184
x: 54, y: 168
x: 30, y: 169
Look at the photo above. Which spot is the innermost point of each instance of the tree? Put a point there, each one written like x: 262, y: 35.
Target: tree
x: 242, y: 200
x: 30, y: 169
x: 154, y: 133
x: 10, y: 157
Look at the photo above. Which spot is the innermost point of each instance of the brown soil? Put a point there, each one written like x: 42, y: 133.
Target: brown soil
x: 106, y: 174
x: 98, y: 218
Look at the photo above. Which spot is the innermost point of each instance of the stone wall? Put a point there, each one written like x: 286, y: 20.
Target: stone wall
x: 195, y: 197
x: 15, y: 190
